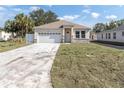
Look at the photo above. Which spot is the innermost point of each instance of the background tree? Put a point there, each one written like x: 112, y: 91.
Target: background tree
x: 24, y: 24
x: 1, y: 28
x: 10, y: 26
x: 107, y: 26
x: 112, y: 25
x: 40, y: 17
x: 50, y: 17
x: 21, y: 25
x: 20, y: 21
x: 99, y: 27
x: 120, y: 22
x: 37, y: 16
x: 29, y: 24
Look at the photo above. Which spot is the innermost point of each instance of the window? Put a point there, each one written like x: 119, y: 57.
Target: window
x: 109, y: 36
x: 106, y: 36
x: 122, y: 33
x: 77, y: 33
x: 82, y: 34
x: 102, y: 36
x: 114, y: 35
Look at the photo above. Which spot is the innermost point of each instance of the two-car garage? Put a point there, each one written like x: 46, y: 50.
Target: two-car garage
x: 48, y: 37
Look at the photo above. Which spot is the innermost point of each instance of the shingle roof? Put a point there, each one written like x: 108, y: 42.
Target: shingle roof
x: 59, y: 24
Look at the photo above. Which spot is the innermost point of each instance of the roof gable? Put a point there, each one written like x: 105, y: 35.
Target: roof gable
x: 60, y: 24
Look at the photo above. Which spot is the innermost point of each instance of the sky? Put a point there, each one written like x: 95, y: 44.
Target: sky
x: 82, y: 14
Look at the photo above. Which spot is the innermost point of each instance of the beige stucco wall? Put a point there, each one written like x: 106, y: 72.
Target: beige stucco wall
x: 73, y: 39
x: 81, y: 40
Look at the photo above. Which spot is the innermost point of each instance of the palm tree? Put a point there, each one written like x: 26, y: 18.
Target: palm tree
x: 20, y: 22
x: 25, y: 24
x: 29, y: 24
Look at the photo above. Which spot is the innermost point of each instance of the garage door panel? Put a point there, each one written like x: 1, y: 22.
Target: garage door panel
x: 49, y: 37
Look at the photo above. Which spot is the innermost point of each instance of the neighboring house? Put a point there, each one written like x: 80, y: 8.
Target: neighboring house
x: 61, y: 31
x: 93, y: 36
x: 114, y: 35
x: 4, y: 36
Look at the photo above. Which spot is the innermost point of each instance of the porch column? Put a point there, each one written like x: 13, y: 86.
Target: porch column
x: 63, y: 35
x: 72, y: 33
x: 80, y: 34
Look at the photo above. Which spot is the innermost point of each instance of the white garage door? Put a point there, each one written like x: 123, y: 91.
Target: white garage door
x: 49, y: 37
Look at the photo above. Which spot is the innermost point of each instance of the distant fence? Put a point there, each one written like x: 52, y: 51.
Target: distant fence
x: 29, y: 38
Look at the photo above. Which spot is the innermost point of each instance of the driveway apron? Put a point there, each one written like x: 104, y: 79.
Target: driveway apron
x: 28, y: 67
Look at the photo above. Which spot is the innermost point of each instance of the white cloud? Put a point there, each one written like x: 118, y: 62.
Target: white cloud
x: 120, y: 5
x: 17, y: 9
x: 50, y: 6
x: 104, y: 11
x: 86, y: 11
x: 86, y: 6
x: 111, y: 17
x: 10, y: 6
x: 2, y: 8
x: 95, y: 15
x: 33, y: 8
x: 69, y: 17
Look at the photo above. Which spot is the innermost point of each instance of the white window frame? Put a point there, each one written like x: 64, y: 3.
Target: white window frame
x: 76, y: 34
x: 80, y: 34
x: 84, y: 34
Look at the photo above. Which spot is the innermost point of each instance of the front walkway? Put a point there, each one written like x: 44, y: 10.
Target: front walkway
x: 27, y: 66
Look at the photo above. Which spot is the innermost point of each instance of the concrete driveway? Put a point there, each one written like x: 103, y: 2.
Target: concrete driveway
x: 27, y: 66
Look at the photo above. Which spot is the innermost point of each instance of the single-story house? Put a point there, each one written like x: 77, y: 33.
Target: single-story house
x: 114, y: 35
x: 4, y: 36
x: 61, y: 31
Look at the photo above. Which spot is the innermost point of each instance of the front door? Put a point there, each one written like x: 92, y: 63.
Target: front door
x: 67, y: 35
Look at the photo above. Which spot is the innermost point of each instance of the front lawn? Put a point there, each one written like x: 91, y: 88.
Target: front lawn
x: 8, y: 45
x: 88, y: 65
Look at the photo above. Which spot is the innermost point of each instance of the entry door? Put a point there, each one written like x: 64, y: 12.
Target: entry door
x: 67, y: 35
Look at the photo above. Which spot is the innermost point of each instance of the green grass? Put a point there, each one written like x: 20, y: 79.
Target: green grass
x: 88, y: 65
x: 9, y: 45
